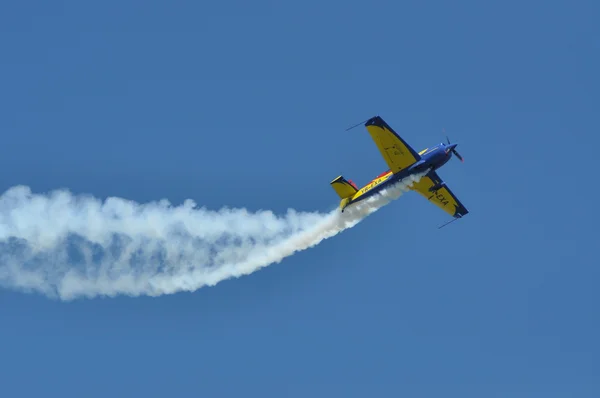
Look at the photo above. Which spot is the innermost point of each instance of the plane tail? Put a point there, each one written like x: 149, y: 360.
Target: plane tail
x: 345, y: 190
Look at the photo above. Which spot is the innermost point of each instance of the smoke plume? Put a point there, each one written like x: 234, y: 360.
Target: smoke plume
x: 67, y: 247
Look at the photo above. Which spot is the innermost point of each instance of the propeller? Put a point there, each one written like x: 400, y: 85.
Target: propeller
x: 454, y: 151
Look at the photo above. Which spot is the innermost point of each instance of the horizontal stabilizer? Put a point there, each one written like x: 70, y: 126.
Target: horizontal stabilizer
x: 344, y: 188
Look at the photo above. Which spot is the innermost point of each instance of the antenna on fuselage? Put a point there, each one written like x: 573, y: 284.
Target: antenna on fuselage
x: 449, y: 222
x: 358, y: 124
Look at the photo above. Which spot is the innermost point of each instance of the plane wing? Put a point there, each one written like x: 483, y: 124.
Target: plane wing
x: 443, y: 197
x: 396, y: 152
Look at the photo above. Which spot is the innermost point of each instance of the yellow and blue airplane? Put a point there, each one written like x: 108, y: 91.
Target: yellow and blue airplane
x: 403, y: 161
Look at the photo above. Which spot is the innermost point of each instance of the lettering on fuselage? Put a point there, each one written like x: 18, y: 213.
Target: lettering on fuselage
x: 372, y: 185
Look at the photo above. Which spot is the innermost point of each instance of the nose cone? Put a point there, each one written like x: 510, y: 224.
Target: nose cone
x: 451, y: 146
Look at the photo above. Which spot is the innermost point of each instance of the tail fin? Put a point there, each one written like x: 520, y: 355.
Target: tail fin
x: 344, y: 188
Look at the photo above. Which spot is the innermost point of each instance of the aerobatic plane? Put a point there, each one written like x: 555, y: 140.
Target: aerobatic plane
x: 403, y: 161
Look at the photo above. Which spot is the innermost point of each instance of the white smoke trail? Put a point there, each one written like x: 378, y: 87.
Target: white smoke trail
x: 67, y: 246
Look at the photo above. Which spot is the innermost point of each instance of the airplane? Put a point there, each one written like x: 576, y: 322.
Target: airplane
x: 403, y: 161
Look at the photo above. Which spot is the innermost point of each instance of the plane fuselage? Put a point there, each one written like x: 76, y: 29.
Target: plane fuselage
x: 434, y: 158
x: 431, y: 158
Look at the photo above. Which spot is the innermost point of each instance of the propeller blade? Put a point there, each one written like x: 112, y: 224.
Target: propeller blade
x: 458, y: 155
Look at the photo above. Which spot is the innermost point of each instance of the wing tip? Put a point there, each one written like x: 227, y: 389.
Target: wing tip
x: 461, y: 212
x: 375, y: 121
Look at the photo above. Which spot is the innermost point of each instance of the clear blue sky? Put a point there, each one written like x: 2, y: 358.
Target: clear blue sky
x: 245, y: 104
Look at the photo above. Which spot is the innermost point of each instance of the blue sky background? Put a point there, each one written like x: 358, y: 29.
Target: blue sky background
x: 245, y: 104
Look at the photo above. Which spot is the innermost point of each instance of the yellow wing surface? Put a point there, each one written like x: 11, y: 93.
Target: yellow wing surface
x: 396, y: 152
x: 442, y: 197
